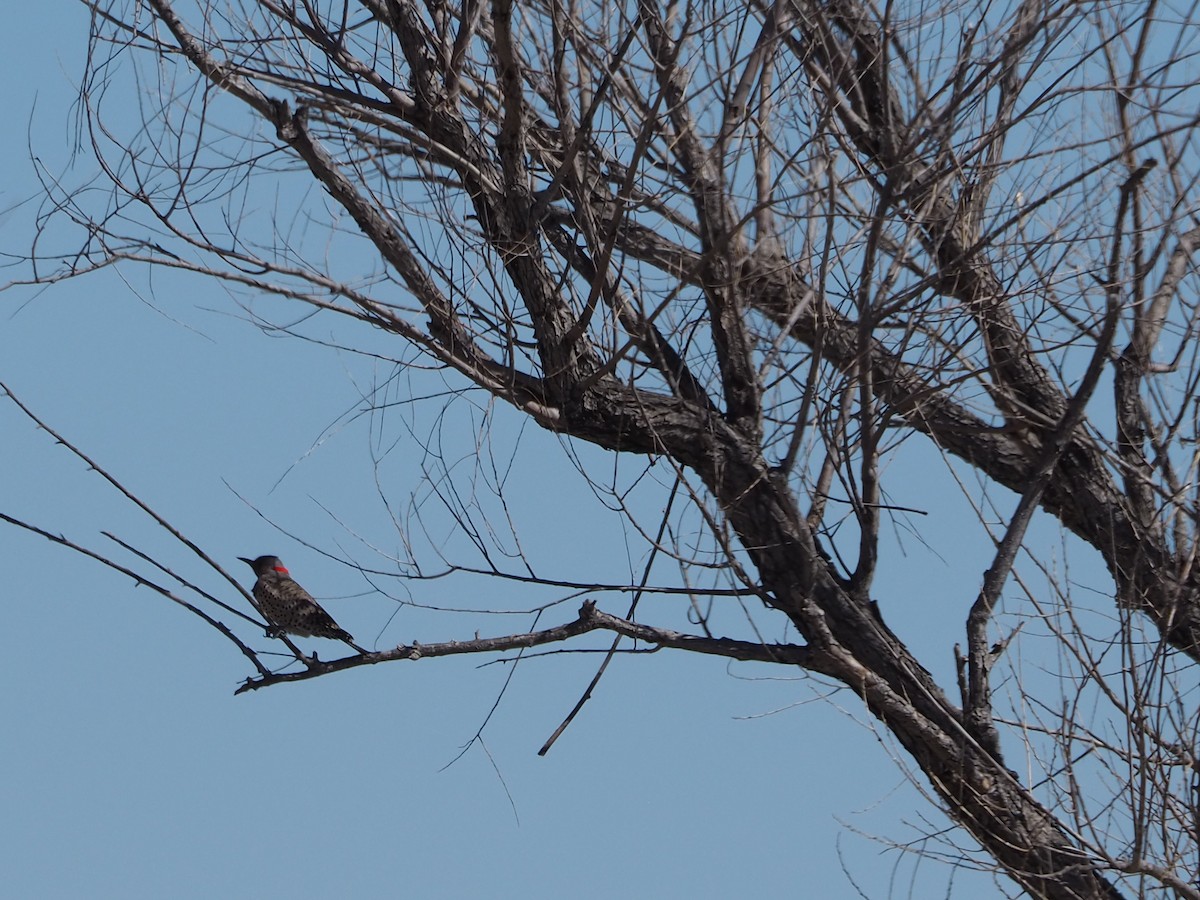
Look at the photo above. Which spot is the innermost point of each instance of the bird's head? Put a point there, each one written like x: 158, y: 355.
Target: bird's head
x: 265, y: 564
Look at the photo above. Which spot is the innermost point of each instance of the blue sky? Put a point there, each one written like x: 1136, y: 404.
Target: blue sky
x: 131, y: 770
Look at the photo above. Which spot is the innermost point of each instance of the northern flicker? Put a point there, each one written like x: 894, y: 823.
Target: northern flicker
x: 289, y: 607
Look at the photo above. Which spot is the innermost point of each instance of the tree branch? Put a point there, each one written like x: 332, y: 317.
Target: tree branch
x: 590, y: 619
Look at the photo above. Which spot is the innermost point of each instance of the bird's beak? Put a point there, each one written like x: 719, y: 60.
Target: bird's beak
x: 248, y: 562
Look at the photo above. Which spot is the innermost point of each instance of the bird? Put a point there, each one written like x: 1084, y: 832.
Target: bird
x: 287, y: 606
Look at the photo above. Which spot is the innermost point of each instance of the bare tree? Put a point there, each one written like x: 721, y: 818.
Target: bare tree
x: 752, y: 249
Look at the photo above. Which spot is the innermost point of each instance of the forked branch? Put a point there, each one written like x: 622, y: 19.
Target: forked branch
x: 590, y: 619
